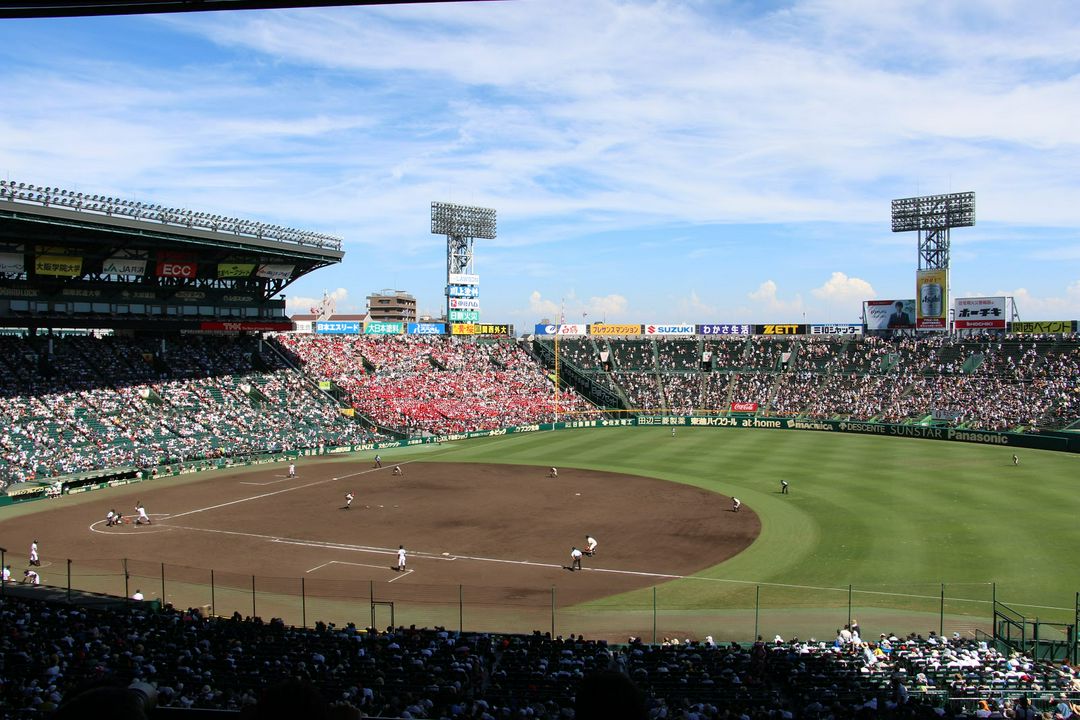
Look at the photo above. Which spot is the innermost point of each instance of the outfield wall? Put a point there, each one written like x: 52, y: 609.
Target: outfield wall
x: 1052, y: 440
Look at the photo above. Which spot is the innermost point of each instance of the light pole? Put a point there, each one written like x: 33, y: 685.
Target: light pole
x: 3, y: 573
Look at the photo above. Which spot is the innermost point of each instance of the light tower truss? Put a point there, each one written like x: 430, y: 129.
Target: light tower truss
x: 932, y: 216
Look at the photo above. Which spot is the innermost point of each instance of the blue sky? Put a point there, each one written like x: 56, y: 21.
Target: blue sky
x: 695, y: 161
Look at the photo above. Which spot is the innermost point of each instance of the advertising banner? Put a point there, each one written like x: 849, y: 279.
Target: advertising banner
x: 672, y: 329
x: 493, y: 329
x: 571, y: 329
x: 780, y: 329
x: 12, y: 263
x: 932, y: 299
x: 723, y: 329
x: 463, y: 279
x: 58, y: 265
x: 123, y: 266
x: 979, y: 313
x: 235, y: 270
x: 614, y: 329
x: 1043, y: 327
x: 168, y: 268
x: 836, y: 329
x: 462, y: 291
x: 275, y: 272
x: 337, y: 327
x: 283, y: 326
x: 463, y: 329
x: 426, y: 328
x: 889, y: 314
x: 383, y: 328
x: 464, y: 315
x: 326, y: 385
x: 464, y: 304
x: 744, y: 407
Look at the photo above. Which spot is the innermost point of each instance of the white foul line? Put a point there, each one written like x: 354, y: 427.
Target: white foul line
x: 399, y: 576
x: 277, y: 492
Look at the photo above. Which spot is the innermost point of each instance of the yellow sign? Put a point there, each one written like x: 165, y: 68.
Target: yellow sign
x: 325, y: 385
x: 1043, y: 327
x: 58, y: 265
x: 621, y: 329
x: 932, y: 299
x: 463, y: 328
x: 235, y: 270
x: 348, y: 412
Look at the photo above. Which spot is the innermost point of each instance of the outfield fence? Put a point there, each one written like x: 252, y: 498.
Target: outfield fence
x: 725, y: 609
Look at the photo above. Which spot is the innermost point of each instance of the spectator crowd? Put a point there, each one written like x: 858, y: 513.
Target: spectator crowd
x: 189, y: 661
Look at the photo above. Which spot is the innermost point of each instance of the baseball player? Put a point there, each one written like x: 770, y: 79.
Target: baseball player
x: 348, y: 500
x: 292, y: 470
x: 735, y: 504
x: 575, y: 558
x: 783, y: 487
x: 590, y: 545
x: 110, y: 518
x: 143, y: 518
x: 672, y: 431
x: 31, y: 578
x: 378, y: 461
x: 397, y: 470
x: 34, y: 559
x: 401, y: 558
x: 553, y: 473
x: 7, y: 574
x: 1016, y: 460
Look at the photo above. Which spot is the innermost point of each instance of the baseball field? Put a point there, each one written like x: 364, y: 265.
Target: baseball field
x: 898, y: 534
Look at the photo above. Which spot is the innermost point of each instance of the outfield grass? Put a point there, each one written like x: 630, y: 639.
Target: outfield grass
x: 894, y: 518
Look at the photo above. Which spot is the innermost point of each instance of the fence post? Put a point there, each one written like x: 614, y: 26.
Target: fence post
x: 127, y: 592
x: 253, y: 596
x: 213, y: 607
x: 849, y: 606
x: 460, y: 609
x: 162, y: 584
x: 371, y: 601
x: 69, y: 581
x: 941, y: 613
x: 757, y: 610
x: 654, y: 615
x: 303, y: 604
x: 552, y: 612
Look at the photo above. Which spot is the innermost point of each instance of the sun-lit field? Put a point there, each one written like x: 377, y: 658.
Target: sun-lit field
x: 895, y: 519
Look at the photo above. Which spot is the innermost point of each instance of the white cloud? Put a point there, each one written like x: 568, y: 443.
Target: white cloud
x: 840, y: 288
x: 609, y: 306
x: 1034, y: 307
x: 693, y: 306
x: 303, y: 305
x: 543, y: 308
x: 766, y: 297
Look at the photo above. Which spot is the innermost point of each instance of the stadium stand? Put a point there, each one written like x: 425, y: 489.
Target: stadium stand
x: 52, y: 650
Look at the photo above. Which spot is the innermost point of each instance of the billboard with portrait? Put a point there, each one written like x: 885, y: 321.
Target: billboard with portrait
x: 889, y: 314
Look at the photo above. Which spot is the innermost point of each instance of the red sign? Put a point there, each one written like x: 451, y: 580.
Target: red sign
x: 744, y: 407
x: 970, y: 324
x: 168, y: 268
x: 247, y: 326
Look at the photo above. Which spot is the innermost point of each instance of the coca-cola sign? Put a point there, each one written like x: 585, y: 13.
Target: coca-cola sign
x: 744, y: 407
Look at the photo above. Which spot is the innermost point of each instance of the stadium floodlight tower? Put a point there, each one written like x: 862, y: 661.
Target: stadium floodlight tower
x: 462, y: 225
x: 932, y: 216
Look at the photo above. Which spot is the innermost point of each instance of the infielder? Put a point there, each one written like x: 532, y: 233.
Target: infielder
x: 348, y: 500
x: 735, y: 504
x: 397, y: 470
x: 401, y: 558
x: 590, y: 545
x: 575, y: 559
x: 34, y: 559
x: 292, y: 470
x: 378, y: 461
x: 553, y: 473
